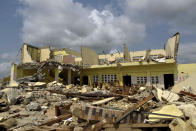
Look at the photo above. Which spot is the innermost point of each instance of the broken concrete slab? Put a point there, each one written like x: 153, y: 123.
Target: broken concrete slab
x: 12, y: 95
x: 170, y: 96
x: 37, y: 84
x: 167, y: 95
x: 189, y: 110
x: 167, y: 110
x: 179, y: 125
x: 13, y: 84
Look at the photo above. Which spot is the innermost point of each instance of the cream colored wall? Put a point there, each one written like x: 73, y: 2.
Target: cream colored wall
x: 89, y: 56
x: 26, y: 58
x: 44, y: 54
x: 184, y: 71
x: 172, y: 46
x: 187, y: 68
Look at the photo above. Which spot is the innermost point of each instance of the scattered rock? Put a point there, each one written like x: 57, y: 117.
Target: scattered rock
x: 33, y: 107
x: 8, y: 124
x: 83, y: 90
x: 12, y: 95
x: 142, y: 88
x: 26, y: 101
x: 29, y: 95
x: 42, y: 101
x: 69, y: 86
x: 77, y: 128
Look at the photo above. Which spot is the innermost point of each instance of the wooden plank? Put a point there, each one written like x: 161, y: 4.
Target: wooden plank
x: 193, y: 96
x: 103, y: 101
x: 56, y: 120
x: 131, y: 109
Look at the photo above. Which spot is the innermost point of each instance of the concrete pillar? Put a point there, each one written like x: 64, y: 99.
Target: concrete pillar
x: 69, y: 76
x: 57, y: 74
x: 13, y: 74
x: 134, y: 79
x: 89, y: 80
x: 100, y: 78
x: 120, y: 78
x: 161, y: 81
x: 148, y: 79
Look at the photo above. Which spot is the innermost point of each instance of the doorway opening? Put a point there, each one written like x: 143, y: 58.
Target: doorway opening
x: 127, y: 80
x: 85, y: 80
x: 64, y: 76
x: 168, y: 80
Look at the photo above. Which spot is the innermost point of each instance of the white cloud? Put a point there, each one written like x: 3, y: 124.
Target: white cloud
x: 64, y: 23
x: 179, y: 14
x: 8, y: 57
x: 4, y: 69
x: 5, y: 62
x: 187, y: 53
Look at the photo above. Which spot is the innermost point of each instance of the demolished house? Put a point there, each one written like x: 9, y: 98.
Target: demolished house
x: 63, y: 90
x: 150, y: 67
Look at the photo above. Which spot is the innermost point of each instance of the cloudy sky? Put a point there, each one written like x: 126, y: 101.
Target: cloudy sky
x: 103, y: 25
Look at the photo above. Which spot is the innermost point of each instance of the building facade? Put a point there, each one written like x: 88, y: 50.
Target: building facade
x: 145, y: 68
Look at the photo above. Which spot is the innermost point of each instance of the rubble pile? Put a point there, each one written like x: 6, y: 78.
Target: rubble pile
x: 37, y: 105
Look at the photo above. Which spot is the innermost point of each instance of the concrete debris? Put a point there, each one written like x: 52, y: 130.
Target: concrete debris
x: 187, y: 85
x: 12, y: 95
x: 36, y: 105
x: 33, y: 107
x: 161, y: 60
x: 36, y: 84
x: 179, y: 125
x: 189, y: 110
x: 170, y: 96
x: 103, y: 101
x: 4, y: 126
x: 167, y: 95
x: 193, y: 122
x: 166, y: 110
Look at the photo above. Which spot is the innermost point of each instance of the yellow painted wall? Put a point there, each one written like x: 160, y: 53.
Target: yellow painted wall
x: 30, y: 54
x: 59, y: 52
x: 28, y: 72
x: 25, y: 56
x: 44, y: 54
x: 139, y: 70
x: 21, y: 73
